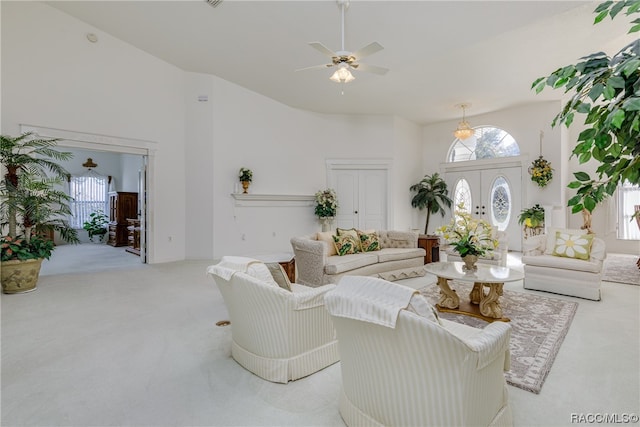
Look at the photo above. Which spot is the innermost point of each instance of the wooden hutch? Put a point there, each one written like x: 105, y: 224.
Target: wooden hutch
x: 122, y: 206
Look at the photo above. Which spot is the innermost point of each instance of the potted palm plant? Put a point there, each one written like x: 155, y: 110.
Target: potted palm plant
x: 432, y: 194
x: 31, y: 207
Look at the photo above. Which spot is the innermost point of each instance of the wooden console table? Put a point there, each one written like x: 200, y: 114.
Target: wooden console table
x: 431, y: 244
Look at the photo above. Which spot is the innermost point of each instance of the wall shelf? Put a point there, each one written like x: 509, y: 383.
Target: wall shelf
x: 272, y: 200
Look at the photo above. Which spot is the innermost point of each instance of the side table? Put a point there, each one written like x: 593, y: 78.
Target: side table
x: 431, y: 244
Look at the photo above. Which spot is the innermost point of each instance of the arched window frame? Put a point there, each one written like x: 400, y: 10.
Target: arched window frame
x: 512, y: 149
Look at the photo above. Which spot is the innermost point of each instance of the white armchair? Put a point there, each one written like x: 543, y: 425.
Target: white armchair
x: 544, y: 271
x: 403, y: 366
x: 277, y: 334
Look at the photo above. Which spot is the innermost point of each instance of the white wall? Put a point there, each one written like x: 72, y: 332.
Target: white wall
x: 52, y: 76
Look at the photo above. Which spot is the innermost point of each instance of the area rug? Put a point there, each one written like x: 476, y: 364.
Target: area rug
x: 621, y: 268
x: 538, y: 327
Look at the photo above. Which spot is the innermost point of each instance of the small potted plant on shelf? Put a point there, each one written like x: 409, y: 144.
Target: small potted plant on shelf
x: 32, y: 206
x: 245, y: 176
x: 97, y: 225
x: 326, y: 207
x: 533, y: 220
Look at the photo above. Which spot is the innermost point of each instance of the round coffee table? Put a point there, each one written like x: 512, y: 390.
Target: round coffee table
x: 481, y: 305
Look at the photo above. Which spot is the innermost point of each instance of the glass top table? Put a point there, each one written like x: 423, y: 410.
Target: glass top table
x: 481, y: 305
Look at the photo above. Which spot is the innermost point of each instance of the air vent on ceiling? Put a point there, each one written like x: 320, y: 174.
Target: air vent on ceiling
x: 214, y: 3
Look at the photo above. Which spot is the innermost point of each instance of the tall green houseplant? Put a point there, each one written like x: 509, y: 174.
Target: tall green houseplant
x: 607, y: 90
x: 431, y: 194
x: 32, y: 206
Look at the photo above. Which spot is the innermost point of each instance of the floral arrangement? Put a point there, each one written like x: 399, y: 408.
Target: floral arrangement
x: 326, y: 203
x: 20, y: 249
x: 532, y: 217
x: 467, y: 235
x: 245, y: 174
x: 541, y: 171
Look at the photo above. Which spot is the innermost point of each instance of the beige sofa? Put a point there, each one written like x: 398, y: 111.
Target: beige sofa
x: 317, y: 263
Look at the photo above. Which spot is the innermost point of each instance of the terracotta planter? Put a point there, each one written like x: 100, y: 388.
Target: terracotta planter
x: 20, y: 276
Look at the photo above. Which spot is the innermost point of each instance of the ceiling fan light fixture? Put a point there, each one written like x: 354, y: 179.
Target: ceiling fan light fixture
x: 342, y: 75
x: 464, y: 130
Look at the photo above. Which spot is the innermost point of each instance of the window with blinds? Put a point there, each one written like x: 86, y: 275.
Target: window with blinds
x: 628, y: 199
x: 90, y: 195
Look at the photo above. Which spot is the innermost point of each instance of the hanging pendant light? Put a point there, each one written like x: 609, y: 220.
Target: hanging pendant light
x: 463, y: 131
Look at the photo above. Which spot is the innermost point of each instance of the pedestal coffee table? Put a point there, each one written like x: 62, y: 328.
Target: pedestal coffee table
x: 481, y: 305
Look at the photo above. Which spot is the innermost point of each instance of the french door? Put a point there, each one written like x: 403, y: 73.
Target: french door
x: 494, y: 195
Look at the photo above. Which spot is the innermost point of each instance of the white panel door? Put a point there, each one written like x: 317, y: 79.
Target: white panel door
x: 496, y: 196
x: 362, y: 198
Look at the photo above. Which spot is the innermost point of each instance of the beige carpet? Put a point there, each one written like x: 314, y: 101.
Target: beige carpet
x: 621, y: 268
x: 539, y: 325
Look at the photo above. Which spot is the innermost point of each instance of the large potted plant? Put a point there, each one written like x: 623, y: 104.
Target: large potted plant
x: 431, y: 194
x: 605, y: 89
x: 32, y: 208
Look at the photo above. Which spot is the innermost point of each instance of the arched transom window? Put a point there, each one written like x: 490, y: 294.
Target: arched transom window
x: 488, y: 142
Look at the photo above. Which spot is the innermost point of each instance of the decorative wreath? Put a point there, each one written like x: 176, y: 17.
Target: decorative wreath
x: 541, y: 171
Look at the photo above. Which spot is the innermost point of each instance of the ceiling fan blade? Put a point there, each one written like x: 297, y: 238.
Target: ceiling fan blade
x: 315, y: 67
x: 369, y: 49
x: 370, y: 69
x: 322, y: 48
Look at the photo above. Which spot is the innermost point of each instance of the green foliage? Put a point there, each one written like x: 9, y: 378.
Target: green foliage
x: 326, y: 203
x: 432, y: 194
x: 31, y: 202
x: 21, y: 249
x: 245, y: 174
x: 97, y: 225
x: 468, y: 235
x: 607, y: 90
x: 532, y: 217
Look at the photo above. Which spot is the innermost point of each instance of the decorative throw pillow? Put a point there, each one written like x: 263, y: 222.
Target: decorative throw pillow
x: 369, y: 241
x: 346, y: 244
x: 353, y: 233
x: 278, y: 274
x: 327, y: 236
x: 573, y: 245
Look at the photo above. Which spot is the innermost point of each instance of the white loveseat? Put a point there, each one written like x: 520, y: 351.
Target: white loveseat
x: 317, y: 263
x: 403, y: 366
x: 278, y: 334
x: 544, y: 271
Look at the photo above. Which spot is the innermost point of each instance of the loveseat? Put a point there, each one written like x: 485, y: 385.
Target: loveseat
x: 548, y: 267
x: 397, y: 257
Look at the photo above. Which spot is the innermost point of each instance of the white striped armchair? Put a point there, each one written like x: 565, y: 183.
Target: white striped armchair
x: 278, y: 334
x: 403, y: 366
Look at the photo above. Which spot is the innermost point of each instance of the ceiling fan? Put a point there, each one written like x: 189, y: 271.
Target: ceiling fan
x: 346, y: 61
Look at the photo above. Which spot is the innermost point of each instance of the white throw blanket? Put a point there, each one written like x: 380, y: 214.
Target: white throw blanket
x: 368, y: 299
x: 230, y: 265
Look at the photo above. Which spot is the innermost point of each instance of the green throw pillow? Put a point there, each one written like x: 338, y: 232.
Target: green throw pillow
x: 346, y: 244
x: 369, y: 241
x: 353, y: 233
x: 576, y: 246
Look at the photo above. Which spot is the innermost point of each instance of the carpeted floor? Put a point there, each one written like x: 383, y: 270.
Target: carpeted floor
x: 621, y: 268
x: 539, y: 325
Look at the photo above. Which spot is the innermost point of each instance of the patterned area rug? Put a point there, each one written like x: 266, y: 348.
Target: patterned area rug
x: 538, y: 327
x: 621, y: 268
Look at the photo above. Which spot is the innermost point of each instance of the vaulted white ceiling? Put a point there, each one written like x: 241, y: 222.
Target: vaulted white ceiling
x: 440, y: 53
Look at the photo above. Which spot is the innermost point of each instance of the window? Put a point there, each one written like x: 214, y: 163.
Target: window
x: 487, y: 142
x: 462, y: 194
x: 628, y: 199
x: 90, y: 195
x: 500, y: 203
